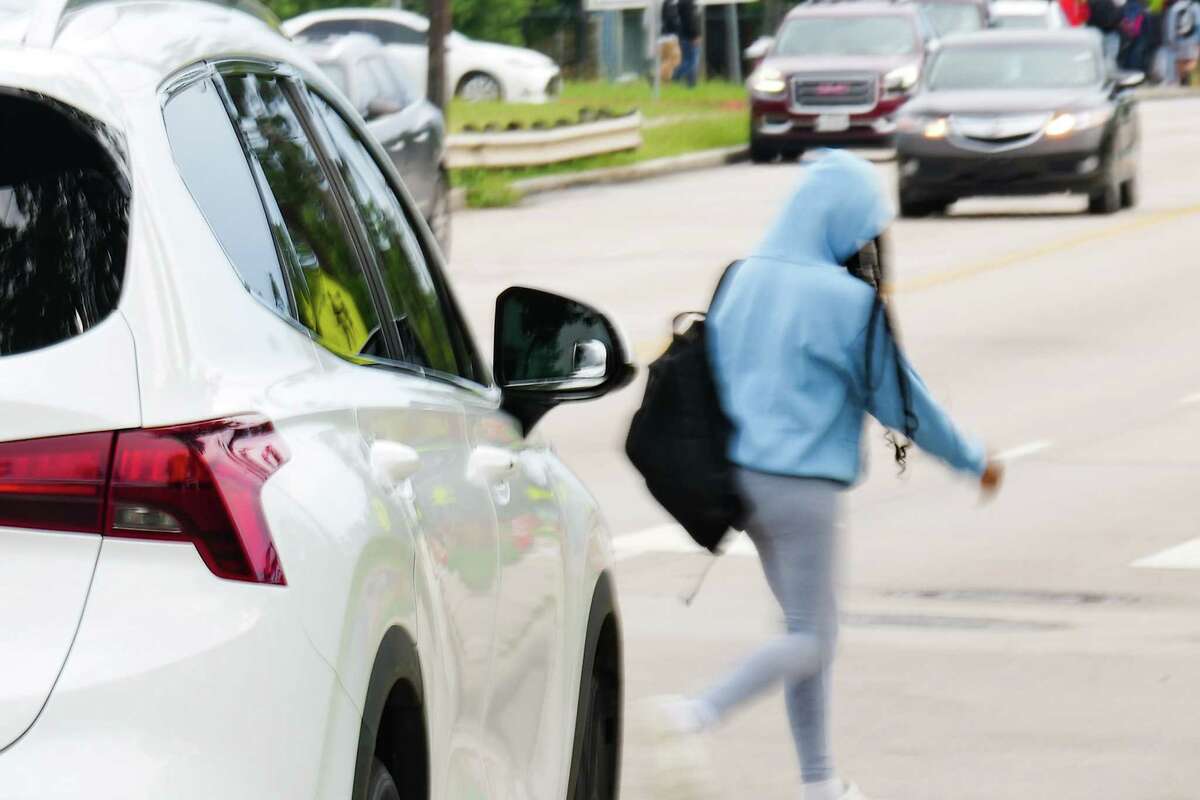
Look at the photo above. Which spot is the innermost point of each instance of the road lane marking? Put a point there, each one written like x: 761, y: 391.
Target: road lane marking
x: 1021, y: 451
x: 650, y: 349
x: 1183, y: 556
x: 1190, y: 399
x: 672, y: 539
x: 1040, y: 251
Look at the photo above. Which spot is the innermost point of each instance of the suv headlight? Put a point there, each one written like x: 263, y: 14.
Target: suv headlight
x: 901, y: 79
x: 768, y: 80
x: 1065, y: 123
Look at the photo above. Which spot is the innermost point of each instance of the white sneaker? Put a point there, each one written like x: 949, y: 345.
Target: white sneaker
x: 833, y: 789
x: 682, y: 769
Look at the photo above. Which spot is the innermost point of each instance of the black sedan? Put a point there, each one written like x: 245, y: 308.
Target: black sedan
x: 1019, y: 113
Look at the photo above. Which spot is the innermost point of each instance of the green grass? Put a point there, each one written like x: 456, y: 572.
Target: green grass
x: 675, y: 100
x: 711, y: 116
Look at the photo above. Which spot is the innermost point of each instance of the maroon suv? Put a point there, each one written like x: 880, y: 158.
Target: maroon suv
x: 835, y: 75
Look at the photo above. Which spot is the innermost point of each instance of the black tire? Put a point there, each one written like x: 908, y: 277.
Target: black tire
x: 478, y: 87
x: 761, y: 152
x: 381, y: 786
x: 1106, y: 199
x: 440, y: 214
x: 1129, y: 192
x: 596, y: 778
x: 913, y: 207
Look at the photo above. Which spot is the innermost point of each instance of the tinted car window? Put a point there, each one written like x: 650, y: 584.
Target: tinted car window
x: 330, y: 28
x: 427, y: 333
x: 395, y: 33
x: 846, y: 36
x: 333, y: 297
x: 64, y: 207
x: 214, y: 167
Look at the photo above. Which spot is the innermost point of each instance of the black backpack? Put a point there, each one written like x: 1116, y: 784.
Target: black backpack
x: 679, y: 437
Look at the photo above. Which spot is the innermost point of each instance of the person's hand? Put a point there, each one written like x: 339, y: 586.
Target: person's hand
x: 992, y: 477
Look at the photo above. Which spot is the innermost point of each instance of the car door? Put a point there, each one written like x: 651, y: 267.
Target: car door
x: 520, y: 733
x: 419, y: 415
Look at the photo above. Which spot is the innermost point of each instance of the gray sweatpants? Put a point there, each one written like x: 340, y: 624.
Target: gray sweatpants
x: 793, y: 524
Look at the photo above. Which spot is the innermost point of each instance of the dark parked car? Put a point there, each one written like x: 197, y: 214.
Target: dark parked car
x: 411, y: 128
x: 836, y: 73
x: 1019, y: 113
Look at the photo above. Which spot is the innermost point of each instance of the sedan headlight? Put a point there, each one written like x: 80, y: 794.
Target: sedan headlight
x: 929, y: 127
x: 768, y: 81
x: 901, y: 79
x: 1065, y: 123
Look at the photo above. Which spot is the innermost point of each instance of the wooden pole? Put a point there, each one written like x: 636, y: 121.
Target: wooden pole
x: 440, y: 25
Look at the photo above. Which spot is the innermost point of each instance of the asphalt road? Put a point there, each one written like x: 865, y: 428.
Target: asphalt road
x: 994, y: 652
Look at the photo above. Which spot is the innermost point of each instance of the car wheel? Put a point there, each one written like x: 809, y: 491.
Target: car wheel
x: 440, y: 213
x: 1107, y: 199
x: 597, y: 773
x: 380, y: 786
x: 479, y: 87
x: 912, y: 207
x: 1129, y: 192
x: 761, y: 152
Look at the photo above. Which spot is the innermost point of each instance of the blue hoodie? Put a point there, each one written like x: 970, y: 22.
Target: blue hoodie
x: 788, y: 338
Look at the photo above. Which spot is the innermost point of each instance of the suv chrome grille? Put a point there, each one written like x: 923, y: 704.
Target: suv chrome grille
x: 835, y: 92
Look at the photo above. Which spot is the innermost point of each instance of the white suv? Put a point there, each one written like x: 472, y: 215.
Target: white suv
x: 268, y: 526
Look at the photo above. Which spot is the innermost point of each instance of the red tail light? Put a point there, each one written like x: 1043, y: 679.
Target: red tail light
x: 56, y: 484
x: 199, y: 483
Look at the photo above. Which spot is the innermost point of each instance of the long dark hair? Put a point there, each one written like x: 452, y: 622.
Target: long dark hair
x: 870, y: 265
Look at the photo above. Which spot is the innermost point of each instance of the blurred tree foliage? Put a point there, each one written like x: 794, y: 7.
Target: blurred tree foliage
x: 518, y: 22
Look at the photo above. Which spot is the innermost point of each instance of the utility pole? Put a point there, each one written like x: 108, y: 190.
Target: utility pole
x: 440, y: 25
x: 733, y: 44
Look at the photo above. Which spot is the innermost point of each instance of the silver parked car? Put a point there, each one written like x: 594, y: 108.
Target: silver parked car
x: 411, y: 128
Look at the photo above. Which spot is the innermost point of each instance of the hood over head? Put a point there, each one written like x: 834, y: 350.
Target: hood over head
x: 838, y: 206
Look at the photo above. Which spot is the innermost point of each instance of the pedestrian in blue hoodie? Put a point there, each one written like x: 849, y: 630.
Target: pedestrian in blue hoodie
x: 803, y: 350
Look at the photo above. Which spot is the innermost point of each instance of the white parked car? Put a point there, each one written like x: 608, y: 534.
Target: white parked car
x: 477, y: 70
x: 269, y: 526
x: 1028, y: 14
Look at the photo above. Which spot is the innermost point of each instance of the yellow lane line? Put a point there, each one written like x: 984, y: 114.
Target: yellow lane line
x: 650, y: 349
x: 1040, y: 251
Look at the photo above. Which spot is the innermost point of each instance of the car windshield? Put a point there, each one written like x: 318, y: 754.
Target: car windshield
x: 948, y: 18
x: 847, y: 36
x: 1015, y: 67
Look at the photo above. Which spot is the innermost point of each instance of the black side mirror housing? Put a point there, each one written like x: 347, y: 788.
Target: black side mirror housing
x: 551, y: 350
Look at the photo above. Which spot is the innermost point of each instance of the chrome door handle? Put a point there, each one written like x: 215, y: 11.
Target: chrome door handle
x: 489, y: 465
x: 393, y: 463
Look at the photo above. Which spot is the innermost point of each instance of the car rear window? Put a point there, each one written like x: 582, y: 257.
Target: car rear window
x: 847, y: 36
x: 64, y: 222
x: 1015, y: 66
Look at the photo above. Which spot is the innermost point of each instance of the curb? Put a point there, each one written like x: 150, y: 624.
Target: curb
x: 705, y: 159
x: 1166, y: 93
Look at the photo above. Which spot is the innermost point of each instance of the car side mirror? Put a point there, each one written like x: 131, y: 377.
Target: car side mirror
x: 551, y: 350
x: 381, y: 107
x: 1130, y: 80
